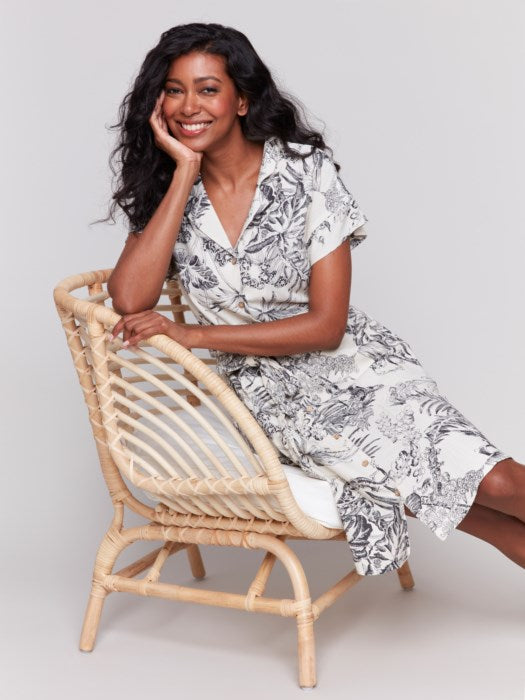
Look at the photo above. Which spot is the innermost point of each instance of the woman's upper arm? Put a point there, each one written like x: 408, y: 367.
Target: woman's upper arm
x: 129, y: 244
x: 334, y: 226
x: 329, y: 291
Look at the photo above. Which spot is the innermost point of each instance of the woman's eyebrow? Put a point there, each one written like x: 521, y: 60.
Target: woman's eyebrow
x: 197, y: 80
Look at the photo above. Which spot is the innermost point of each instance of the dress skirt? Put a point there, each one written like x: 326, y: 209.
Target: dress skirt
x: 376, y: 426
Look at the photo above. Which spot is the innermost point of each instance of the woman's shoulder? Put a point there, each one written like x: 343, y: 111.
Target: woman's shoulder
x: 314, y: 165
x: 301, y: 151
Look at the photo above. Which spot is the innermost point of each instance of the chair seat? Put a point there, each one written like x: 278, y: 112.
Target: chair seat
x: 314, y: 496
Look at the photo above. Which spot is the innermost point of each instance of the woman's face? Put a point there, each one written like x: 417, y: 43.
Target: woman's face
x: 201, y: 104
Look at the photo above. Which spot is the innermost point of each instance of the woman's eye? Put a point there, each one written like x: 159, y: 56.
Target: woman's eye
x: 170, y: 91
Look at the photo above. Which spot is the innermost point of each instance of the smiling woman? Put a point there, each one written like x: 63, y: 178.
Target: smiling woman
x: 182, y: 107
x: 203, y: 72
x: 230, y: 192
x: 203, y: 110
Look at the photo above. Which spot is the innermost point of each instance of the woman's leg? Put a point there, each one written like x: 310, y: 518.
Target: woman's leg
x: 495, y: 514
x: 503, y: 488
x: 505, y: 532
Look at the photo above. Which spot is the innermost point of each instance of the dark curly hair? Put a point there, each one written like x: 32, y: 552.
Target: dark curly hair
x: 144, y: 171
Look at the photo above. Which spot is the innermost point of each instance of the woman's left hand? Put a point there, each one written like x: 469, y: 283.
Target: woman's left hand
x: 144, y: 324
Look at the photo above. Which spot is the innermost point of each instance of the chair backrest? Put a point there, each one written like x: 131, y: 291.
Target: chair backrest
x: 168, y: 423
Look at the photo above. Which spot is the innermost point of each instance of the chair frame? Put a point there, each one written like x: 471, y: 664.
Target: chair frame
x: 186, y: 531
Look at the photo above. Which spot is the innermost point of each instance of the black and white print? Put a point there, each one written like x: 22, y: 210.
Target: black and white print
x: 365, y: 417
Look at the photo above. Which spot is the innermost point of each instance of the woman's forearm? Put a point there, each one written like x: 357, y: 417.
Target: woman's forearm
x: 288, y: 336
x: 137, y: 279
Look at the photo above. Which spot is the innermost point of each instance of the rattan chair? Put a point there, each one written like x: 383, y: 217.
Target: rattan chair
x: 144, y: 405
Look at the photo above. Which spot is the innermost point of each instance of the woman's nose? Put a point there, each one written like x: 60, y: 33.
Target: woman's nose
x: 190, y: 104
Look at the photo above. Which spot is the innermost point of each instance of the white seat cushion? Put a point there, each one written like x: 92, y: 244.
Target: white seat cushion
x: 314, y: 496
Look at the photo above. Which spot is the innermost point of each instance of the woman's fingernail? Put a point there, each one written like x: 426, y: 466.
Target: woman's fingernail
x: 125, y: 344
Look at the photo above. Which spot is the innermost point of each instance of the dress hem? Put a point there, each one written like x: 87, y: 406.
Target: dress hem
x: 452, y: 523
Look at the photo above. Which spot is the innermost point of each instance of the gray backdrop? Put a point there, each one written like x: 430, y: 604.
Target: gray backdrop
x: 424, y: 106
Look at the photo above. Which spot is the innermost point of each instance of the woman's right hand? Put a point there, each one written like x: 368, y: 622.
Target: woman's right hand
x: 180, y: 153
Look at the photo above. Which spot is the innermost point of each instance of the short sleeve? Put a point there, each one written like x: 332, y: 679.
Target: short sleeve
x: 333, y: 213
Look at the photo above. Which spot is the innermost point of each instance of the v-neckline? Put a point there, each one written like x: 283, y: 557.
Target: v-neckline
x: 251, y: 211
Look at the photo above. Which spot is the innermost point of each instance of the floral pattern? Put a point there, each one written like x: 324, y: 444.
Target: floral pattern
x: 365, y: 417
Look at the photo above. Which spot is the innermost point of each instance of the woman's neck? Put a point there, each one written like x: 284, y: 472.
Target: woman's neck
x: 232, y: 162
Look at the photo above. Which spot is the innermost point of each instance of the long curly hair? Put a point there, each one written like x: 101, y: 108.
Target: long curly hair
x: 142, y: 170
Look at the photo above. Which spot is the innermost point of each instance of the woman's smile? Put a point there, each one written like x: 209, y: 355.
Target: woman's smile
x: 193, y: 128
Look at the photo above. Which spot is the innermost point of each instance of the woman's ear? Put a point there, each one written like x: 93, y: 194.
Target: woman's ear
x: 243, y: 106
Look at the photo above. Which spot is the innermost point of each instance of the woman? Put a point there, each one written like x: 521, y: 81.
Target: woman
x: 228, y: 190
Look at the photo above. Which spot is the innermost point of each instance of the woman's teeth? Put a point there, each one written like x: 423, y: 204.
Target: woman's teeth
x: 194, y: 128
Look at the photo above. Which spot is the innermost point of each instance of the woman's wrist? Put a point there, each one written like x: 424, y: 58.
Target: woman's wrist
x: 194, y: 335
x: 187, y: 334
x: 186, y: 172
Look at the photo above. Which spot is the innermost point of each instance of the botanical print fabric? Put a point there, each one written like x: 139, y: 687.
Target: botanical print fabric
x: 365, y: 417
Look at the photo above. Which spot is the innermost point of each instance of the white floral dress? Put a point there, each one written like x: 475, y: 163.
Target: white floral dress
x: 366, y: 417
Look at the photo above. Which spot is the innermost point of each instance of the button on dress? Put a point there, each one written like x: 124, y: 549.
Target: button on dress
x: 365, y: 417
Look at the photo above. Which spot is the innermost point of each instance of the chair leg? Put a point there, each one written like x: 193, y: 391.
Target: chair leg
x: 405, y: 577
x: 110, y: 547
x: 306, y: 648
x: 195, y: 559
x: 92, y: 617
x: 304, y: 614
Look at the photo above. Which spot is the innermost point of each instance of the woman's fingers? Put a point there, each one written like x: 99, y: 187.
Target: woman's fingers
x: 145, y: 324
x: 163, y: 123
x: 144, y: 329
x: 158, y: 102
x: 142, y: 332
x: 156, y: 115
x: 117, y: 327
x: 124, y: 322
x: 141, y: 325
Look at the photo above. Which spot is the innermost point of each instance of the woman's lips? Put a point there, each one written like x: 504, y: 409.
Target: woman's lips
x: 196, y: 128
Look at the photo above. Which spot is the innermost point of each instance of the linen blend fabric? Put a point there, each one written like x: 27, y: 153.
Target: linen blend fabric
x: 365, y: 417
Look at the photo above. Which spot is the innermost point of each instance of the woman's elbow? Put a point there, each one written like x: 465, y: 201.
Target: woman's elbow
x: 118, y: 304
x: 330, y: 328
x: 121, y: 310
x: 128, y: 306
x: 126, y: 303
x: 333, y: 337
x: 334, y: 343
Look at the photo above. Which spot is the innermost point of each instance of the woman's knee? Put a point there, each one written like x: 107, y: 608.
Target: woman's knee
x: 501, y: 483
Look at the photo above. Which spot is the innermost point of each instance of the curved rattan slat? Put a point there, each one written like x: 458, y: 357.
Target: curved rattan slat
x: 118, y: 489
x: 172, y: 434
x: 182, y: 403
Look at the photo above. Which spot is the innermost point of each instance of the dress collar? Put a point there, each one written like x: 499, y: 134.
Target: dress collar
x: 201, y: 212
x: 272, y: 154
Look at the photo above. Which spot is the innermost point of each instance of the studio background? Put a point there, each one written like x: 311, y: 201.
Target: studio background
x: 424, y: 107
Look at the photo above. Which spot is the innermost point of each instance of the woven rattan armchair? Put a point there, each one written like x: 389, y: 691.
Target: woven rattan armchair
x: 149, y: 406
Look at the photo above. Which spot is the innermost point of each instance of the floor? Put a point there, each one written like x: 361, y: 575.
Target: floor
x: 459, y: 634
